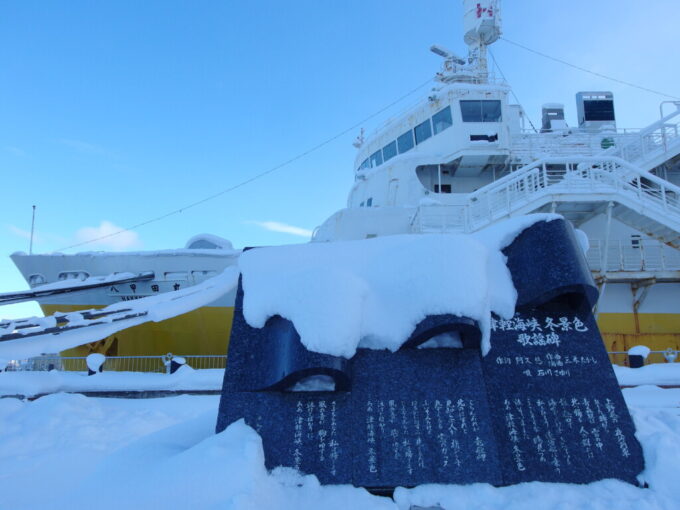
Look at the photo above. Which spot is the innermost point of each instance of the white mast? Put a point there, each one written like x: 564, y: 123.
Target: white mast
x: 482, y: 27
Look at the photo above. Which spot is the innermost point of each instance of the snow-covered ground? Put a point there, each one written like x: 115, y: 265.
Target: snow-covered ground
x: 68, y: 451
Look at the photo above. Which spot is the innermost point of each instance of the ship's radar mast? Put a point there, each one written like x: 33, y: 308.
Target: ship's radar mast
x: 482, y: 27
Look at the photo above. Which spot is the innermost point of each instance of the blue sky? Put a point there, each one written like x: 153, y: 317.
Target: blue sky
x: 112, y: 113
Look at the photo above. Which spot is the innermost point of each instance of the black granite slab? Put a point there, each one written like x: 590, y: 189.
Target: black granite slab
x: 543, y: 404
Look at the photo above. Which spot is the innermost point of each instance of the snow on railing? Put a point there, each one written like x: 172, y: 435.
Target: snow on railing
x: 157, y: 363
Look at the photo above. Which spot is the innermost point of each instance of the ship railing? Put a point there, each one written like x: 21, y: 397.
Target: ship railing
x: 632, y: 145
x: 158, y: 364
x: 440, y: 218
x: 554, y: 178
x: 575, y: 143
x: 573, y: 130
x: 654, y: 140
x: 634, y: 254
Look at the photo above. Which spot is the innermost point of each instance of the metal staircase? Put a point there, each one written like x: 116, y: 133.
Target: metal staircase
x: 577, y: 188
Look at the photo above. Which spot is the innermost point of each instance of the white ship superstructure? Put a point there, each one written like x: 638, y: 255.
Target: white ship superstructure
x: 459, y: 161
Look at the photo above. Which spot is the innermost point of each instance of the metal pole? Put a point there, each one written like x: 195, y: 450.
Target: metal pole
x: 30, y: 247
x: 603, y: 269
x: 439, y: 173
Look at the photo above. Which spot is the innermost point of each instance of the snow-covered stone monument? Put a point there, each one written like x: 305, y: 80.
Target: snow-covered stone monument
x: 429, y: 359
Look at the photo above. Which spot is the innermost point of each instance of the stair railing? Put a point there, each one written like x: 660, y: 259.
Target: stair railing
x: 551, y: 176
x: 654, y: 137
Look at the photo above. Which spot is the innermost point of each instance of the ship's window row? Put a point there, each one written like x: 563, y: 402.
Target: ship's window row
x: 481, y: 110
x: 73, y: 275
x: 405, y: 142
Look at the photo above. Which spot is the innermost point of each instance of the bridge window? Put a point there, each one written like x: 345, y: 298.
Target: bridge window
x: 376, y: 159
x: 365, y: 164
x: 423, y: 131
x: 442, y: 120
x: 369, y: 202
x: 602, y: 110
x: 389, y: 151
x: 405, y: 142
x: 481, y: 111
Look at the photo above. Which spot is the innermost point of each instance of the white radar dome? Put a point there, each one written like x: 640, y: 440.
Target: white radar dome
x: 482, y: 21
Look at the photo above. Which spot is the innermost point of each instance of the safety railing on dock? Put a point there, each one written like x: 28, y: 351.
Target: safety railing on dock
x: 159, y: 364
x: 621, y: 357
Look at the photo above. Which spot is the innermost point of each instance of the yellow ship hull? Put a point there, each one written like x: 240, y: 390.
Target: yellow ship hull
x: 658, y: 331
x: 203, y: 331
x: 206, y: 332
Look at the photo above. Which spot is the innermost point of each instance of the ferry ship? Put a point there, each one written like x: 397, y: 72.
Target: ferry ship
x: 458, y: 161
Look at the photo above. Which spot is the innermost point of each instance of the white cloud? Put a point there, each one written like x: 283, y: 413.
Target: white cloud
x: 39, y: 238
x: 85, y: 147
x: 108, y: 236
x: 20, y: 232
x: 276, y: 226
x: 14, y: 150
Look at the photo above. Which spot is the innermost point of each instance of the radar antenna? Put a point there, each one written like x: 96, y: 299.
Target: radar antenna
x: 482, y: 27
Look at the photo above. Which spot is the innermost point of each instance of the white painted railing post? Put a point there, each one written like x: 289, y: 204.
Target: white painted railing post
x: 507, y: 199
x: 545, y: 175
x: 663, y: 198
x: 662, y: 256
x: 488, y: 204
x: 610, y: 206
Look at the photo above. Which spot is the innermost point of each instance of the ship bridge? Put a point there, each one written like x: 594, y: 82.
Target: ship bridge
x: 635, y: 177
